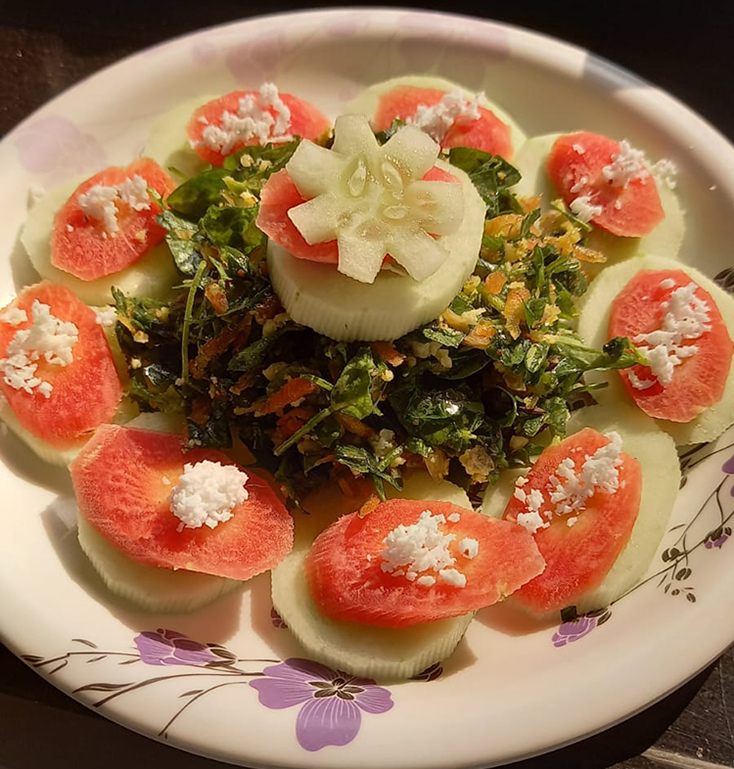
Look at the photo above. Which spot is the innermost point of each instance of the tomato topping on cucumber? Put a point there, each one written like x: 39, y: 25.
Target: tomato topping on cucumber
x: 487, y: 133
x: 280, y: 194
x: 83, y: 392
x: 580, y: 544
x: 610, y: 179
x: 124, y: 479
x: 92, y: 246
x: 701, y: 357
x: 480, y: 561
x: 214, y: 133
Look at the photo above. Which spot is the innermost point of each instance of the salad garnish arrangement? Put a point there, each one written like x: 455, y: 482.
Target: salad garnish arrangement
x: 408, y: 361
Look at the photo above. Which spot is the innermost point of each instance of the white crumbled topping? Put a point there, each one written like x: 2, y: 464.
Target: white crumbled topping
x: 584, y: 209
x: 579, y: 149
x: 384, y: 443
x: 14, y: 316
x: 426, y: 581
x: 439, y: 118
x: 454, y: 517
x: 685, y: 318
x: 638, y: 383
x: 570, y: 488
x: 47, y: 337
x: 617, y: 205
x: 100, y: 202
x: 165, y: 480
x: 521, y: 481
x: 106, y: 316
x: 580, y: 184
x: 665, y: 171
x: 70, y: 228
x: 531, y: 521
x: 421, y: 547
x: 469, y: 547
x: 627, y: 165
x: 206, y: 494
x: 667, y: 283
x: 571, y: 521
x: 453, y: 577
x: 253, y: 120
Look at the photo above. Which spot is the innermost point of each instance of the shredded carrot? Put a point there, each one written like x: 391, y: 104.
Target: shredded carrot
x: 292, y: 390
x: 293, y: 420
x: 504, y: 226
x: 513, y: 311
x: 369, y: 506
x: 216, y: 297
x: 495, y: 282
x: 354, y: 426
x: 480, y: 336
x: 387, y: 353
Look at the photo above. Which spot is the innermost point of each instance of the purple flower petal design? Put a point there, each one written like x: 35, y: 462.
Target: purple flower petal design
x: 169, y: 647
x: 327, y: 721
x: 569, y: 632
x: 728, y: 466
x: 204, y: 52
x: 253, y: 63
x: 332, y: 701
x: 56, y: 147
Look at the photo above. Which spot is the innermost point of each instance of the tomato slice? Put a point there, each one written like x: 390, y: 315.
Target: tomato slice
x: 699, y: 381
x: 579, y: 556
x: 120, y: 484
x: 306, y: 121
x: 280, y: 194
x: 80, y: 245
x: 348, y: 582
x: 487, y: 133
x: 86, y: 392
x: 575, y: 166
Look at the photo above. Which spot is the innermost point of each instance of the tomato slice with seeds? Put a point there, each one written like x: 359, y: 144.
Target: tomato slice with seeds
x: 306, y: 121
x: 123, y: 480
x: 578, y: 557
x: 80, y: 245
x: 699, y: 381
x: 575, y: 166
x: 345, y: 574
x: 487, y: 133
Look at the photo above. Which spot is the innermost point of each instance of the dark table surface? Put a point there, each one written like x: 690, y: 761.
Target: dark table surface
x: 46, y: 47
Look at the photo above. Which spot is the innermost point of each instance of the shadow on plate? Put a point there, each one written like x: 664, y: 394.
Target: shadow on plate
x: 216, y: 623
x: 20, y: 459
x: 511, y: 621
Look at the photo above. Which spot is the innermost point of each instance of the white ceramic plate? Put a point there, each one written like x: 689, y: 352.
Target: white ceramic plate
x: 508, y: 692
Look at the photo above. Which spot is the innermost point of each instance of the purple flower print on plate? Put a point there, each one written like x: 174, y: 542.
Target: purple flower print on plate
x: 728, y: 466
x: 331, y: 702
x: 204, y: 52
x: 573, y: 630
x: 256, y: 62
x: 58, y: 148
x: 169, y: 647
x: 276, y: 619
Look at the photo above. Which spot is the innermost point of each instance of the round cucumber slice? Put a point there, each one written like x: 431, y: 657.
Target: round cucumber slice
x: 656, y: 452
x: 152, y: 276
x: 385, y: 654
x: 149, y: 587
x: 318, y: 296
x: 593, y: 329
x: 366, y: 102
x: 666, y: 238
x: 168, y: 143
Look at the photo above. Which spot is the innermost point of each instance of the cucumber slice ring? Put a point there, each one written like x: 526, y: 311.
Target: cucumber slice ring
x: 318, y: 296
x: 593, y: 326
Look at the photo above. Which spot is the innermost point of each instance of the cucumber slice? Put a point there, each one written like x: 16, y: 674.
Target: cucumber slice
x: 642, y: 439
x: 152, y: 276
x: 666, y: 238
x: 593, y: 326
x: 168, y: 143
x: 384, y: 654
x: 422, y: 486
x: 159, y: 422
x: 497, y: 495
x: 366, y: 102
x: 318, y: 296
x: 149, y: 587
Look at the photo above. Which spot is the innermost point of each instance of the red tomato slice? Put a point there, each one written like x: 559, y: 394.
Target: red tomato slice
x: 120, y: 489
x: 699, y: 381
x: 577, y: 557
x: 86, y: 392
x: 79, y: 245
x: 488, y: 133
x: 348, y: 583
x: 280, y: 194
x: 306, y: 122
x: 631, y: 211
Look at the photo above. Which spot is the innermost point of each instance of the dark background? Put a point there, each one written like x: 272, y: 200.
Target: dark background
x: 684, y: 47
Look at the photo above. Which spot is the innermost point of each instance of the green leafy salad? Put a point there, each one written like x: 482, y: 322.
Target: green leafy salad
x: 485, y: 386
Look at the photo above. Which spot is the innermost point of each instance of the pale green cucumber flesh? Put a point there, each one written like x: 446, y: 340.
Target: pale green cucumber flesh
x: 153, y: 275
x: 149, y: 587
x: 593, y: 328
x: 665, y: 239
x: 318, y: 296
x: 366, y: 102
